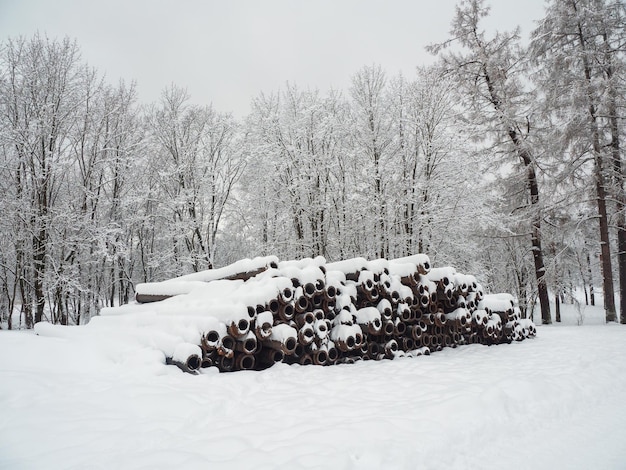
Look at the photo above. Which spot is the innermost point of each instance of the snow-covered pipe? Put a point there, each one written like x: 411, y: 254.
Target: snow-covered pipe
x: 226, y: 346
x: 442, y: 276
x: 404, y: 312
x: 248, y: 345
x: 370, y: 320
x: 346, y: 337
x: 306, y: 334
x: 263, y: 325
x: 349, y: 267
x: 421, y: 261
x: 390, y: 348
x: 284, y: 338
x: 385, y: 309
x: 239, y: 329
x: 187, y: 357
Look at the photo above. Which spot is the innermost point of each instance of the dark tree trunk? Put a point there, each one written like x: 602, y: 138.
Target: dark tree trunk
x: 605, y: 247
x: 592, y: 295
x: 533, y: 187
x: 618, y: 176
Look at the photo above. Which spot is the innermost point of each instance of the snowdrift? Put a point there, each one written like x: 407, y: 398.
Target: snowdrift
x: 254, y: 313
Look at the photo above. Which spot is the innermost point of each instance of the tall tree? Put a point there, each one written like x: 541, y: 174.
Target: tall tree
x: 41, y: 92
x: 492, y: 73
x: 577, y: 47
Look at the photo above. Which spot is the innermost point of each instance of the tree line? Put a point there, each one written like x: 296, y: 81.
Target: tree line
x: 502, y: 159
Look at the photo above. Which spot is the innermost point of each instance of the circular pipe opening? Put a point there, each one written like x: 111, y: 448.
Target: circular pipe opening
x: 333, y: 354
x: 303, y: 303
x: 212, y: 336
x: 228, y: 342
x: 290, y: 344
x: 243, y: 324
x: 331, y: 291
x: 249, y: 345
x: 227, y: 363
x: 309, y: 289
x: 318, y: 300
x: 288, y: 310
x: 321, y: 357
x: 274, y: 305
x: 247, y: 362
x: 193, y: 362
x: 287, y: 294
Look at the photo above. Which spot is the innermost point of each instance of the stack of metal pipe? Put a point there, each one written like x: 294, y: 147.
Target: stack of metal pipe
x: 313, y: 312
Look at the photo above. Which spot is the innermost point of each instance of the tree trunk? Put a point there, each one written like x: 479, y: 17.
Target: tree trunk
x: 605, y: 247
x: 533, y: 187
x: 618, y: 176
x: 592, y: 296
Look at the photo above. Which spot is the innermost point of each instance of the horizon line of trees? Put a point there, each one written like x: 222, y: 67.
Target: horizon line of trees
x: 501, y: 159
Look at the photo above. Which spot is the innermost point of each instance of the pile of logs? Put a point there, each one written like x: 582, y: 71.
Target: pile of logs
x: 312, y: 312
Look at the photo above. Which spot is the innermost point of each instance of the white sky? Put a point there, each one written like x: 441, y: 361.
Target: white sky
x: 227, y: 51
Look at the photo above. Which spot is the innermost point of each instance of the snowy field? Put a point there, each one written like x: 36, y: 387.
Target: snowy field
x: 556, y: 401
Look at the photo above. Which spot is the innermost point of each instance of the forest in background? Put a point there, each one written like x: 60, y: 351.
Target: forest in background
x: 502, y: 159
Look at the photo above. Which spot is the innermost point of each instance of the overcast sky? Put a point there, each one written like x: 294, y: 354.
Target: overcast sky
x: 227, y: 51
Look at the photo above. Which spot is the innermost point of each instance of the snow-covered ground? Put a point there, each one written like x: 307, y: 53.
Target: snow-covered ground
x: 556, y: 401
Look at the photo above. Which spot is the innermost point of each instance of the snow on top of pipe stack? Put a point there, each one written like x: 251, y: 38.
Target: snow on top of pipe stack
x: 421, y: 261
x: 443, y: 275
x: 265, y: 311
x: 243, y: 269
x: 502, y: 302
